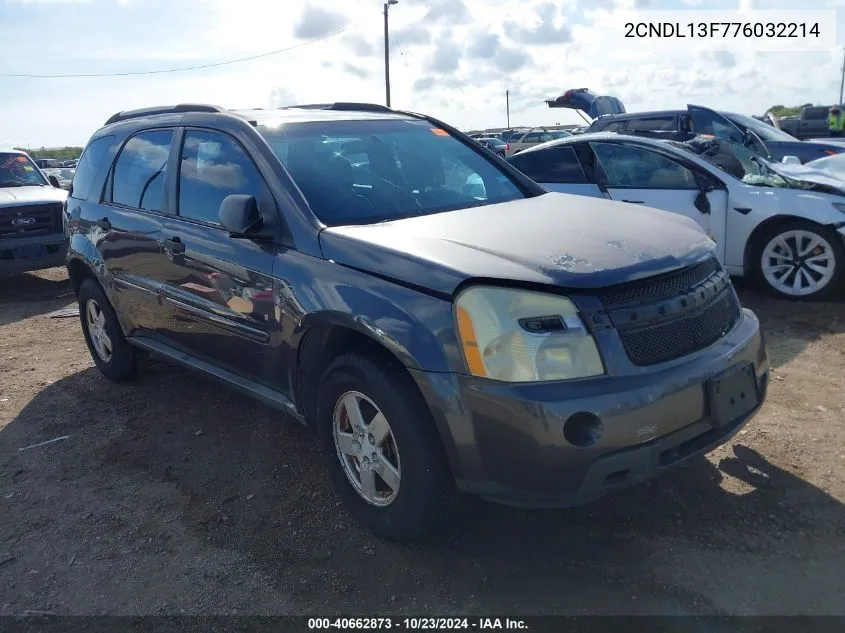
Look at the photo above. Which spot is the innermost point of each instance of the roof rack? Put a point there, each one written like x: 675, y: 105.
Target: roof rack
x: 347, y: 106
x: 177, y: 109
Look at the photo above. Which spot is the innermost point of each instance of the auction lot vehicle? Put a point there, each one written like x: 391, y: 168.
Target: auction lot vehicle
x: 332, y: 260
x: 32, y: 234
x: 681, y: 125
x: 781, y: 224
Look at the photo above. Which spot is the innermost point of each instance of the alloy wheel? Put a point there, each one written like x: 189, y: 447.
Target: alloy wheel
x: 366, y: 448
x: 95, y: 319
x: 798, y: 263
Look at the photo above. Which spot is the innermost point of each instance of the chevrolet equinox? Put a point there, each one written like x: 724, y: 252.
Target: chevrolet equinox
x: 443, y: 323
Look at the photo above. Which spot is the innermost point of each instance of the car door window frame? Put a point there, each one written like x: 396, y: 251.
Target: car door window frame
x: 107, y: 195
x: 265, y: 195
x: 551, y: 152
x: 663, y: 155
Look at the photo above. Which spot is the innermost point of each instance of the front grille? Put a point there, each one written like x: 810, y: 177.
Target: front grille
x: 30, y: 220
x: 672, y: 315
x: 684, y: 335
x: 661, y: 286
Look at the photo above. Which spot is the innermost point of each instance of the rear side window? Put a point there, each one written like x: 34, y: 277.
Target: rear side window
x: 213, y: 166
x: 653, y: 124
x: 612, y: 126
x: 551, y: 165
x: 815, y: 113
x: 92, y: 160
x: 140, y: 169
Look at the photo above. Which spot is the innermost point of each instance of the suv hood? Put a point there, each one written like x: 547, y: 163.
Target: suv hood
x: 585, y: 101
x: 14, y: 196
x: 555, y: 239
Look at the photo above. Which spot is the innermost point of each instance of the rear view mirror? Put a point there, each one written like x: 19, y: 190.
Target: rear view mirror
x: 791, y: 160
x: 54, y: 181
x: 239, y: 215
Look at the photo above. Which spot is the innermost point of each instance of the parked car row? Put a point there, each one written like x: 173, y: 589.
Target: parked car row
x: 440, y: 319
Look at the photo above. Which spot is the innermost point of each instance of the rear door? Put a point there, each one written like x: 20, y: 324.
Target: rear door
x: 218, y: 290
x: 637, y: 175
x: 125, y: 227
x: 813, y: 123
x: 558, y: 168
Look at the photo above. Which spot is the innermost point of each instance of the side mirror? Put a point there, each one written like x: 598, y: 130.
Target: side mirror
x: 791, y: 160
x: 54, y: 181
x: 702, y: 203
x: 239, y: 215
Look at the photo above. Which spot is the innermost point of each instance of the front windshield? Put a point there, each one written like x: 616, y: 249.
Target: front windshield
x: 369, y: 171
x: 763, y: 130
x: 17, y: 170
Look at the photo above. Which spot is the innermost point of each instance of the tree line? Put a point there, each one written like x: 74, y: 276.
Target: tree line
x: 58, y: 153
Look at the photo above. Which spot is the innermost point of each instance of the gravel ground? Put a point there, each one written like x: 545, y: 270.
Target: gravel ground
x: 173, y: 495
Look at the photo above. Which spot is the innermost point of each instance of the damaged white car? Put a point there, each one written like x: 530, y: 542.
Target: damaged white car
x: 783, y: 224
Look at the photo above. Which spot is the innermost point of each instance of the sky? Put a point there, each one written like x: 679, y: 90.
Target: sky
x: 453, y: 59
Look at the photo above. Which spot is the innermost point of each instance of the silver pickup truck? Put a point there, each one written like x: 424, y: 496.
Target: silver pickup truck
x: 32, y: 233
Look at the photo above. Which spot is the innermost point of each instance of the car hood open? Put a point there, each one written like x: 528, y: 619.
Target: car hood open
x: 555, y: 239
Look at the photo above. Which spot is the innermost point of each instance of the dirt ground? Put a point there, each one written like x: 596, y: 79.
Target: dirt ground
x: 173, y: 495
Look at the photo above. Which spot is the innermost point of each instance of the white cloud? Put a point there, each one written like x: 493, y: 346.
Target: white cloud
x: 452, y: 59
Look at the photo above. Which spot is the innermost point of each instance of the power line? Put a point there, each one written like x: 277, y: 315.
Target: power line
x: 183, y: 68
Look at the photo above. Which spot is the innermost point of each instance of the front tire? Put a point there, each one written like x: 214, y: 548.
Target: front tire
x: 382, y: 449
x: 800, y: 260
x: 112, y: 353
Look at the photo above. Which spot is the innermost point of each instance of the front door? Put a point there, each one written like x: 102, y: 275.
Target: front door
x: 218, y: 290
x: 640, y: 176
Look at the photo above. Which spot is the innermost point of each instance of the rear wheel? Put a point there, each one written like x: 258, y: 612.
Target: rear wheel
x: 381, y: 447
x: 800, y: 260
x: 112, y: 353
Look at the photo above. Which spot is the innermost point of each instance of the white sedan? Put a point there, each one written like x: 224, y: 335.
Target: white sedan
x: 782, y: 224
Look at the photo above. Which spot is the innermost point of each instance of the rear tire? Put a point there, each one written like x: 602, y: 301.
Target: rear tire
x: 800, y: 260
x: 390, y: 443
x: 111, y: 352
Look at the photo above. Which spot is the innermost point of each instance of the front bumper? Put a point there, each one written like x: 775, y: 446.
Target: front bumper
x: 506, y: 441
x: 22, y: 255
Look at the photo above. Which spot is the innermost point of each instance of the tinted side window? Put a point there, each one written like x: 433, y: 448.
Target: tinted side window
x: 533, y: 137
x: 636, y: 168
x: 552, y: 165
x: 815, y: 113
x: 652, y: 124
x: 139, y: 171
x: 93, y: 158
x: 613, y: 126
x: 213, y: 166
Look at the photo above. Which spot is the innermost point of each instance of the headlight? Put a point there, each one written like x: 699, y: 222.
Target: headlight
x: 840, y: 206
x: 522, y: 336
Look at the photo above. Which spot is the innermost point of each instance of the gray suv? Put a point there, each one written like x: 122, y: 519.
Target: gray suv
x: 439, y: 320
x: 32, y: 234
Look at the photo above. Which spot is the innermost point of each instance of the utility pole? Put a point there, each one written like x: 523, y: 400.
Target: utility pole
x: 842, y: 83
x: 508, y: 105
x: 387, y: 53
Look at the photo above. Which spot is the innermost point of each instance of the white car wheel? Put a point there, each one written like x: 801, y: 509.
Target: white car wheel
x: 800, y: 261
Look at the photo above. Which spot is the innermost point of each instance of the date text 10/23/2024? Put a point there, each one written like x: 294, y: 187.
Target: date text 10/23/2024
x: 417, y: 624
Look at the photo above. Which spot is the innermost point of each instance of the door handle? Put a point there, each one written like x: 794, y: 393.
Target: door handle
x: 104, y: 224
x: 635, y: 201
x: 174, y: 245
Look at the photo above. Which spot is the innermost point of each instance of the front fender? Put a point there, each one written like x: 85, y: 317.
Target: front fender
x: 753, y: 207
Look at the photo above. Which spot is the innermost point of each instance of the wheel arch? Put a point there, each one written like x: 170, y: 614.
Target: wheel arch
x: 768, y: 225
x: 326, y: 340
